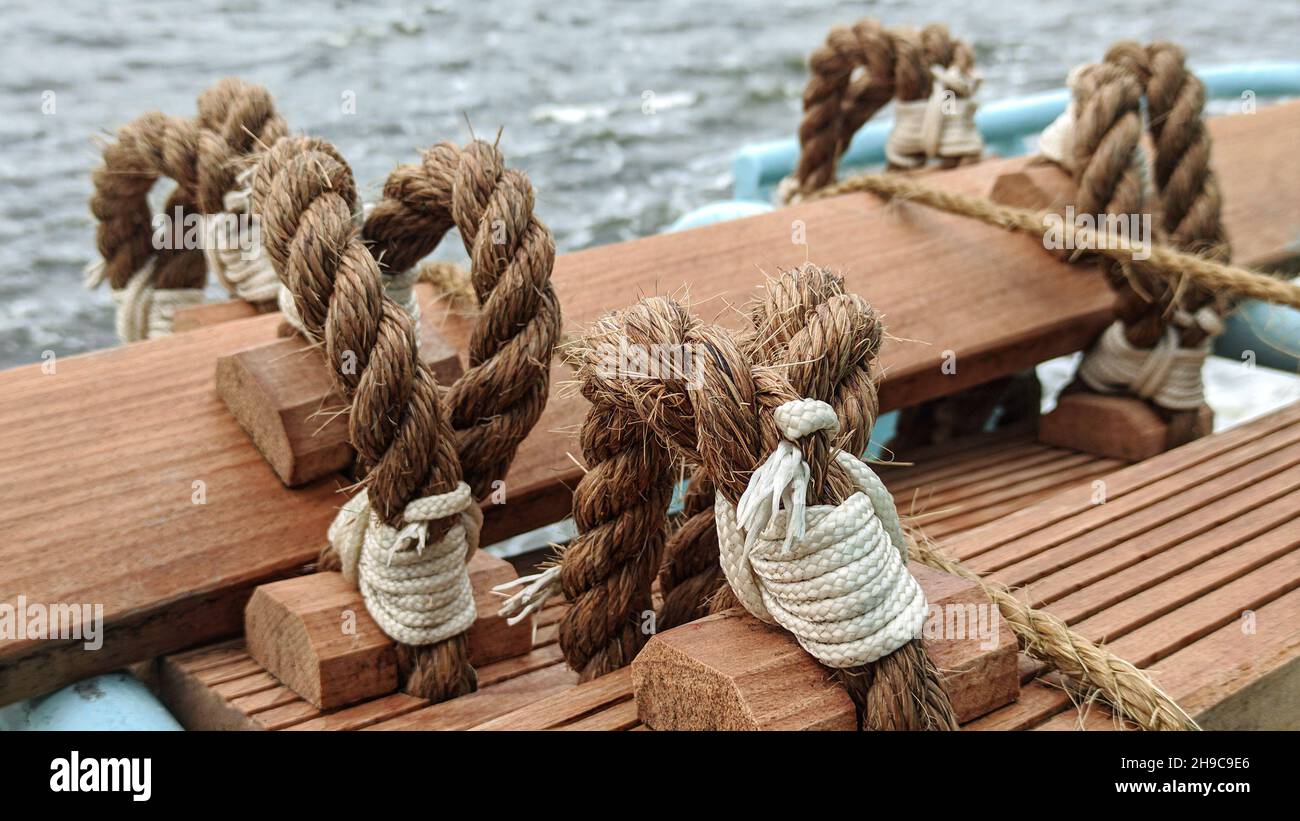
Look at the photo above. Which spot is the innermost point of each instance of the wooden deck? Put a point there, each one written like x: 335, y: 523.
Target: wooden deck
x: 952, y: 489
x: 1187, y: 564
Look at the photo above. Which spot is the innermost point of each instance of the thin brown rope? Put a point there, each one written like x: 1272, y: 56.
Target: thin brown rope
x: 499, y: 398
x: 721, y: 419
x: 305, y: 196
x: 1167, y: 263
x: 1128, y: 690
x: 893, y: 64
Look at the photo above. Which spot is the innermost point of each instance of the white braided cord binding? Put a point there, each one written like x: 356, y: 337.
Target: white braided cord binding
x: 942, y: 125
x: 833, y: 575
x: 1168, y: 375
x: 144, y: 311
x: 418, y: 593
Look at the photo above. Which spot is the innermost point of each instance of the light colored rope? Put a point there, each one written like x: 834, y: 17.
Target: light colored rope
x: 417, y: 593
x: 142, y: 310
x: 833, y: 575
x: 1056, y: 142
x: 1168, y: 374
x: 239, y: 262
x: 942, y: 125
x: 1128, y: 690
x: 1166, y: 262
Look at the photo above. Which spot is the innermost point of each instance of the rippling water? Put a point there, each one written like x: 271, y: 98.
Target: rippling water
x: 566, y: 81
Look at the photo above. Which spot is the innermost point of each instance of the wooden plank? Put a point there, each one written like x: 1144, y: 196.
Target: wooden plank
x: 1185, y: 501
x: 1119, y: 427
x: 1089, y: 586
x: 570, y: 705
x: 1033, y: 520
x: 283, y: 395
x: 113, y: 442
x: 315, y: 634
x: 732, y: 672
x: 212, y: 313
x: 1084, y: 515
x: 486, y: 704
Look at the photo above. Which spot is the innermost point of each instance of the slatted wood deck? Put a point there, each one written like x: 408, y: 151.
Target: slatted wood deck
x: 1187, y: 564
x: 953, y: 488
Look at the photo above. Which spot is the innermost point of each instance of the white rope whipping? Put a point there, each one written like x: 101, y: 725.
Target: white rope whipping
x: 417, y: 593
x: 833, y: 575
x: 1168, y: 375
x: 144, y: 311
x: 942, y: 125
x: 233, y: 249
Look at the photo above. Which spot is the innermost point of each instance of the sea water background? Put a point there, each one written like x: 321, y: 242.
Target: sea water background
x: 566, y: 81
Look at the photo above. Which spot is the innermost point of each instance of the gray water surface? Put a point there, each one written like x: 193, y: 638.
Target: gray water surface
x: 566, y: 81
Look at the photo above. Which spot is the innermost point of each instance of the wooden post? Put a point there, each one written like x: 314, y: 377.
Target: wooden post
x: 283, y: 396
x: 732, y: 672
x: 314, y: 634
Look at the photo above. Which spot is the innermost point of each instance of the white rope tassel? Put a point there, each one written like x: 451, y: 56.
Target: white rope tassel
x: 942, y: 125
x: 537, y: 590
x: 143, y: 311
x: 833, y: 575
x: 417, y: 593
x: 1168, y: 375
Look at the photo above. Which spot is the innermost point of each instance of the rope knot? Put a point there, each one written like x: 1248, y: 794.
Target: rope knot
x: 833, y: 575
x: 416, y: 592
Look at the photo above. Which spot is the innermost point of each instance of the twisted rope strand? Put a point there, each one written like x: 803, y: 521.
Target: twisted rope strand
x: 499, y: 398
x: 1128, y: 690
x: 305, y: 196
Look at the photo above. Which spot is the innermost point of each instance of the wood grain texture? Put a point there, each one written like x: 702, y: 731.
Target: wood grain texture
x: 103, y: 454
x: 732, y: 672
x: 1118, y: 427
x: 283, y: 396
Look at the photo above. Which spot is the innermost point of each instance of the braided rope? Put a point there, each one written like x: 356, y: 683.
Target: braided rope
x: 305, y: 196
x: 833, y: 575
x: 499, y: 398
x: 723, y: 419
x: 152, y: 146
x: 202, y: 156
